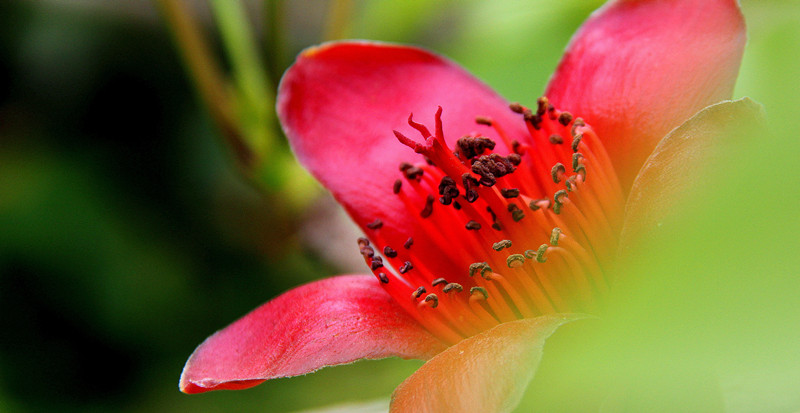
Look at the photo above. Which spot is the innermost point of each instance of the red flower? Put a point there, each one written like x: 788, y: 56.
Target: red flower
x: 500, y: 223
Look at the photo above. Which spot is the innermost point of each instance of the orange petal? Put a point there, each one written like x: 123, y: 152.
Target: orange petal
x: 484, y: 373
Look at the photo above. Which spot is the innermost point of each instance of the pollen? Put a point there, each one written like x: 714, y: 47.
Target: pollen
x: 508, y: 226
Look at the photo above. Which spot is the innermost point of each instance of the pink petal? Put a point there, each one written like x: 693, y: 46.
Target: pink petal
x: 340, y: 102
x: 333, y: 321
x: 484, y: 373
x: 637, y: 69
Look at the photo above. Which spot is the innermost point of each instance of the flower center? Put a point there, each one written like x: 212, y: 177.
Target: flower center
x: 525, y: 233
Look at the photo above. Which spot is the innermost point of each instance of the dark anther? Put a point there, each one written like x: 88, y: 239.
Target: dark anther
x: 490, y: 167
x: 479, y: 266
x: 516, y: 147
x: 576, y: 160
x: 565, y: 118
x: 515, y: 159
x: 483, y: 120
x: 556, y: 139
x: 367, y: 251
x: 515, y: 260
x: 497, y: 226
x: 575, y: 142
x: 499, y: 245
x: 516, y: 107
x: 578, y: 123
x: 570, y: 183
x: 540, y: 253
x: 448, y: 190
x: 491, y: 212
x: 384, y: 279
x: 541, y: 105
x: 404, y: 166
x: 375, y: 224
x: 537, y: 203
x: 473, y: 225
x: 377, y: 262
x: 456, y: 205
x: 428, y: 209
x: 432, y: 298
x: 396, y: 187
x: 363, y: 242
x: 428, y: 160
x: 470, y: 183
x: 406, y: 267
x: 516, y: 213
x: 509, y: 192
x: 452, y: 286
x: 557, y: 201
x: 551, y: 111
x: 418, y: 293
x: 470, y: 147
x: 555, y: 236
x: 413, y: 173
x: 530, y: 254
x: 557, y: 171
x: 481, y: 290
x: 438, y: 281
x: 389, y: 252
x: 408, y: 243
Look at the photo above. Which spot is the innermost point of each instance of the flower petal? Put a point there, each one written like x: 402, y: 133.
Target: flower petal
x: 639, y: 68
x: 333, y: 321
x: 340, y: 102
x: 484, y: 373
x: 677, y: 163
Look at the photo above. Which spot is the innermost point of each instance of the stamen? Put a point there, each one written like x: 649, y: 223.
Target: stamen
x: 438, y: 281
x: 433, y: 299
x: 498, y: 246
x: 515, y: 260
x: 406, y: 267
x: 409, y: 242
x: 452, y: 287
x: 375, y: 224
x: 389, y: 252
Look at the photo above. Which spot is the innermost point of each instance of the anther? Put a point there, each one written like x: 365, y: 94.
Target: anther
x: 515, y: 260
x: 406, y: 267
x: 535, y: 204
x: 581, y: 170
x: 557, y: 201
x: 516, y: 213
x: 367, y: 251
x: 481, y: 290
x: 384, y: 279
x: 556, y: 139
x: 558, y: 172
x: 452, y: 287
x: 576, y: 140
x: 473, y: 225
x: 540, y: 253
x: 470, y: 146
x: 570, y: 182
x: 433, y: 299
x: 396, y: 187
x: 438, y: 281
x: 509, y: 192
x: 555, y: 236
x: 418, y: 293
x: 483, y: 120
x: 542, y: 104
x: 499, y: 245
x: 516, y: 107
x: 448, y: 190
x: 515, y: 159
x: 363, y: 242
x: 479, y: 266
x: 375, y: 224
x: 377, y: 262
x: 428, y: 209
x: 529, y: 254
x: 409, y: 242
x: 389, y: 252
x: 469, y: 183
x: 577, y: 160
x: 565, y: 118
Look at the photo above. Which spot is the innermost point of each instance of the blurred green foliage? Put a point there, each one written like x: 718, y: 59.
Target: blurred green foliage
x: 128, y: 235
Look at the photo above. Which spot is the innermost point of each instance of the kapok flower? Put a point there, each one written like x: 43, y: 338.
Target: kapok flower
x: 488, y: 224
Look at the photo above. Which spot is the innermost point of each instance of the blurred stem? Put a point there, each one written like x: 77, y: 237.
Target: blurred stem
x: 255, y: 98
x: 338, y: 24
x: 273, y: 38
x: 206, y: 75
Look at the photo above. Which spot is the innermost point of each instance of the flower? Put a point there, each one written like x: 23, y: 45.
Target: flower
x: 495, y: 228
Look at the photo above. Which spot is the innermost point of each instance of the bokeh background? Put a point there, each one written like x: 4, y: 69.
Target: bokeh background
x: 130, y: 229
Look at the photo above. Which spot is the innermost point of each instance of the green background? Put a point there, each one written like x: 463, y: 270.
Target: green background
x: 127, y: 234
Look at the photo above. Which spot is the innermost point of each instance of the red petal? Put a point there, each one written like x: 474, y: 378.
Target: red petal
x: 484, y: 373
x: 340, y: 102
x: 333, y: 321
x: 637, y: 69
